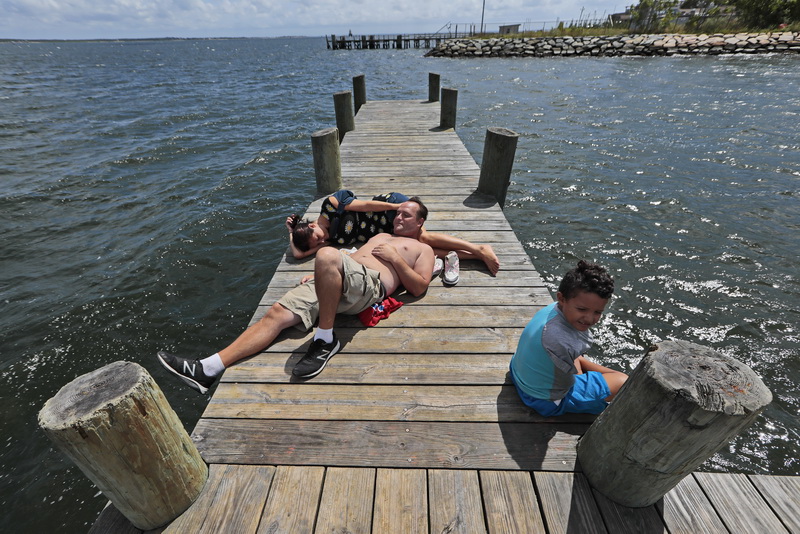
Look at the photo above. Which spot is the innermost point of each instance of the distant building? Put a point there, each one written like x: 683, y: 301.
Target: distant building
x: 509, y: 28
x: 620, y: 18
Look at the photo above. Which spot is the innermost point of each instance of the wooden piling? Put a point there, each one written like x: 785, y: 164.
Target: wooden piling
x: 327, y: 161
x: 116, y: 425
x: 433, y: 87
x: 359, y: 92
x: 499, y: 149
x: 448, y: 109
x: 679, y: 406
x: 345, y: 118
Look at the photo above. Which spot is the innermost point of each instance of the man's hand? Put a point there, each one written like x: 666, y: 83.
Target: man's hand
x: 387, y: 252
x: 306, y: 278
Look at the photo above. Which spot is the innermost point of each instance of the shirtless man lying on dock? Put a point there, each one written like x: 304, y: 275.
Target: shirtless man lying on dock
x: 344, y: 220
x: 340, y: 284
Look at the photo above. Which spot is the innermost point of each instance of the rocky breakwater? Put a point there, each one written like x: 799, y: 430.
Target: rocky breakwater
x: 621, y: 45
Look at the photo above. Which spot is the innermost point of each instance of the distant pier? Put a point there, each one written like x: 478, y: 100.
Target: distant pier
x: 399, y: 41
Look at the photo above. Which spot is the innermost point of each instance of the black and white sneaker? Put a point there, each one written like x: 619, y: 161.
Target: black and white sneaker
x: 190, y: 371
x: 315, y: 358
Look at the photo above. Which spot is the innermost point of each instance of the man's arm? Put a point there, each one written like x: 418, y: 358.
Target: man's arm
x: 415, y: 278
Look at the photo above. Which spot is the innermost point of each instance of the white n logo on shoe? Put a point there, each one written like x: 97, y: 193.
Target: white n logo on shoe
x: 189, y: 370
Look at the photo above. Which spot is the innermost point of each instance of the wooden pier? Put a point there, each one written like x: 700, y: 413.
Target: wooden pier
x: 414, y: 426
x: 398, y: 41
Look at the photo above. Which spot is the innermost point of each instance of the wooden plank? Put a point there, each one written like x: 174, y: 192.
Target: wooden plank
x: 468, y: 279
x: 738, y: 503
x: 545, y: 446
x: 362, y: 402
x: 239, y: 500
x: 401, y: 502
x: 568, y: 503
x: 687, y: 509
x: 455, y: 296
x: 293, y: 499
x: 624, y: 520
x: 447, y: 208
x: 455, y: 502
x: 782, y: 493
x: 347, y: 501
x: 112, y: 520
x: 378, y: 368
x: 231, y: 501
x: 441, y: 317
x: 443, y: 341
x: 510, y: 502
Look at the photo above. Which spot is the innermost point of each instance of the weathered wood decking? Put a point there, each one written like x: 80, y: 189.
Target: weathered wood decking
x: 413, y: 426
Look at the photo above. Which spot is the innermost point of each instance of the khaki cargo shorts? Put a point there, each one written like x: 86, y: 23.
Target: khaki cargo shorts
x: 361, y: 289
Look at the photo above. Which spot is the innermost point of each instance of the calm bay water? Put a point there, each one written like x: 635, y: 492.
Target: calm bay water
x: 145, y: 183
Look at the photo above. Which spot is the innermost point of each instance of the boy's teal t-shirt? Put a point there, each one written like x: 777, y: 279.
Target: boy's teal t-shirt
x: 543, y: 363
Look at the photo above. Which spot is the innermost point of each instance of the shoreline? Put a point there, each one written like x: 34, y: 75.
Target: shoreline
x: 622, y: 45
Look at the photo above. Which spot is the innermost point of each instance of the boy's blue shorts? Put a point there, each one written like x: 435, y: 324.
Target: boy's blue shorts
x: 587, y: 395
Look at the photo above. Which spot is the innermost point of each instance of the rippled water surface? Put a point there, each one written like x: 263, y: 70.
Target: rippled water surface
x: 144, y: 185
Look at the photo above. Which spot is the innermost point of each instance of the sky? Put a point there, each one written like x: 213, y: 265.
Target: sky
x: 130, y: 19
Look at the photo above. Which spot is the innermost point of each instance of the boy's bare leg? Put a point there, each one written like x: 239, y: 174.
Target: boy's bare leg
x: 613, y: 378
x: 260, y: 335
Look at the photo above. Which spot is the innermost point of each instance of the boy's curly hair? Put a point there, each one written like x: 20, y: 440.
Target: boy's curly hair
x: 589, y: 277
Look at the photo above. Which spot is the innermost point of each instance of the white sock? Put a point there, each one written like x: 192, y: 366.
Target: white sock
x: 325, y: 334
x: 212, y: 366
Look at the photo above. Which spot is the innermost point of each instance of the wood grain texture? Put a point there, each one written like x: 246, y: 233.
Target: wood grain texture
x: 347, y: 501
x: 568, y: 503
x: 455, y: 502
x: 686, y: 509
x: 739, y: 504
x: 545, y: 446
x: 401, y: 502
x: 510, y: 502
x: 782, y: 493
x: 293, y: 500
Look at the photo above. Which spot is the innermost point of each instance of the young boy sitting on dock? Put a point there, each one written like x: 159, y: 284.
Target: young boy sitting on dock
x: 548, y: 368
x: 341, y: 284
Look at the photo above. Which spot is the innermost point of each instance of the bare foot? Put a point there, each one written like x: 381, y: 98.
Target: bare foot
x: 489, y: 258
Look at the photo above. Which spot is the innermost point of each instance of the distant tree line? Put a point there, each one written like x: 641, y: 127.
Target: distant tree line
x: 767, y: 13
x: 657, y: 15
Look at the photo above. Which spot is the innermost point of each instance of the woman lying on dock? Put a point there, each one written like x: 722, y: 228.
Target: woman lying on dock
x: 344, y: 220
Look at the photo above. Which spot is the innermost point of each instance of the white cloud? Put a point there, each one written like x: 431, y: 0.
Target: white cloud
x: 88, y: 19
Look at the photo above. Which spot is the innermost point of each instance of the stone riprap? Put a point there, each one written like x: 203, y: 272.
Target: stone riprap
x: 621, y: 45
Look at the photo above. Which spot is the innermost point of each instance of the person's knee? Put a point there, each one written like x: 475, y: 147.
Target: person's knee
x: 278, y: 315
x: 615, y: 381
x: 327, y: 265
x: 326, y: 255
